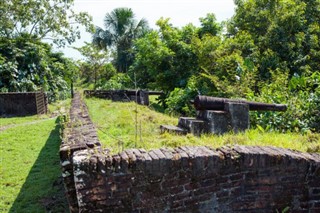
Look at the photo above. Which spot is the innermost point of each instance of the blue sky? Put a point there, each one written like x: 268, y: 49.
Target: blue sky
x: 180, y: 12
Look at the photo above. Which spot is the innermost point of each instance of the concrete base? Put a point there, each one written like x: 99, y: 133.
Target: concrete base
x: 239, y: 116
x: 234, y: 118
x: 192, y: 125
x: 216, y: 122
x: 144, y: 98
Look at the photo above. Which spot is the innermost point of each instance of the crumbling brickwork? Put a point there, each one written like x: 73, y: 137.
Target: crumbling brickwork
x: 78, y: 134
x: 198, y: 179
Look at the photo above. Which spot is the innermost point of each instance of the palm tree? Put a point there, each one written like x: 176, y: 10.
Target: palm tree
x: 121, y: 29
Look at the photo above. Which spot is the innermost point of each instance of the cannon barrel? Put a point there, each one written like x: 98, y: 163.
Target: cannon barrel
x: 214, y: 103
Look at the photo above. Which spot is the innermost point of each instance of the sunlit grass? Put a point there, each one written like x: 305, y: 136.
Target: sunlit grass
x: 116, y: 126
x: 59, y: 106
x: 29, y: 167
x: 119, y: 126
x: 20, y: 120
x: 29, y: 163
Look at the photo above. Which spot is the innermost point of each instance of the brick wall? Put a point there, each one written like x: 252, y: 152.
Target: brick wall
x: 187, y: 179
x: 78, y: 134
x: 191, y: 179
x: 24, y: 103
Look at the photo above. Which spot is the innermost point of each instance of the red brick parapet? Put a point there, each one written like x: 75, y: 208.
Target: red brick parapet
x: 201, y: 179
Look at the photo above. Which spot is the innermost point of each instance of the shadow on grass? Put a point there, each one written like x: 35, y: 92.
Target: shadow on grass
x: 155, y: 104
x: 43, y: 189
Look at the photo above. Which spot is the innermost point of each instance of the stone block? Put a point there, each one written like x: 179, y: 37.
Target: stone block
x: 239, y: 116
x: 144, y: 97
x: 216, y: 122
x: 192, y: 125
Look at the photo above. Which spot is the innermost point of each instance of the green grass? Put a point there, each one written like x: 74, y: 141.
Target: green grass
x: 4, y: 122
x: 60, y: 106
x: 30, y: 173
x: 116, y: 127
x: 117, y: 131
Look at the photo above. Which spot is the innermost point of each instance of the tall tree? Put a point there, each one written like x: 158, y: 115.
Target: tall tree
x: 286, y: 33
x: 166, y: 59
x: 30, y: 66
x: 121, y: 29
x: 42, y: 19
x: 209, y: 25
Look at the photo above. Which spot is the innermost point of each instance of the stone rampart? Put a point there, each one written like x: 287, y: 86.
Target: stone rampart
x: 78, y: 134
x: 138, y: 96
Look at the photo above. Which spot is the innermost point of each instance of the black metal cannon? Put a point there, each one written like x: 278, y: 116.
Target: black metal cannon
x: 214, y: 103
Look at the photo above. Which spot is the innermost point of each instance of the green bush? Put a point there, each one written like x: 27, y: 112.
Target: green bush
x: 178, y: 102
x: 300, y: 93
x: 118, y: 81
x: 179, y: 99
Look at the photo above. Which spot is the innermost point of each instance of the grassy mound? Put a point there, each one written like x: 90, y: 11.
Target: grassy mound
x: 128, y: 125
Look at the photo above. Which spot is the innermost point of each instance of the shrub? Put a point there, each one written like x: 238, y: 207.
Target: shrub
x: 300, y: 93
x: 118, y: 81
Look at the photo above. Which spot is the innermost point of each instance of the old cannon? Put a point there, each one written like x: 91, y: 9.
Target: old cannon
x: 220, y: 115
x: 214, y: 103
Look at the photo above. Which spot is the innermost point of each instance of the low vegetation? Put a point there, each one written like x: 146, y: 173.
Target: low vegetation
x: 127, y: 125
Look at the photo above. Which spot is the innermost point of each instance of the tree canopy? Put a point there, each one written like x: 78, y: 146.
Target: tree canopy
x: 268, y: 51
x: 96, y: 66
x: 121, y: 29
x: 27, y: 63
x: 42, y: 19
x: 30, y: 66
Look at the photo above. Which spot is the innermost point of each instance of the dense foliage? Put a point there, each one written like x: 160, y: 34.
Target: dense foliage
x: 30, y: 65
x: 54, y: 20
x: 95, y: 68
x: 26, y: 62
x: 269, y: 51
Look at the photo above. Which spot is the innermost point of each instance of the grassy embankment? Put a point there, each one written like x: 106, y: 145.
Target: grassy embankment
x: 30, y: 174
x: 116, y: 124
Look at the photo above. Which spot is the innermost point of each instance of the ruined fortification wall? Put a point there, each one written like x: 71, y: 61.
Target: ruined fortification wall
x: 188, y: 179
x: 22, y: 103
x: 78, y: 134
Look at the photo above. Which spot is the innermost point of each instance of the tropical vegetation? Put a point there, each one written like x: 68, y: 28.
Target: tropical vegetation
x: 121, y: 30
x: 268, y: 51
x: 27, y: 63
